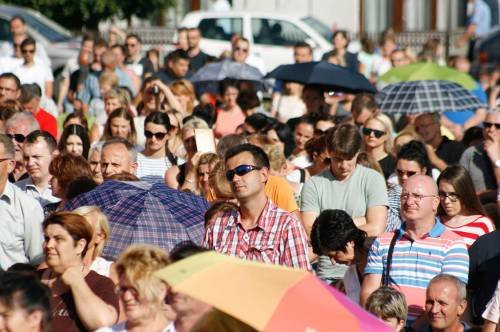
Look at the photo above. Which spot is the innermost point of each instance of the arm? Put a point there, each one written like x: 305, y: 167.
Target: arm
x: 489, y: 326
x: 434, y: 159
x: 171, y: 98
x: 476, y: 119
x: 63, y: 91
x: 376, y: 220
x: 91, y: 309
x: 308, y: 221
x: 295, y: 251
x: 171, y: 177
x: 371, y: 282
x: 33, y: 236
x: 191, y: 180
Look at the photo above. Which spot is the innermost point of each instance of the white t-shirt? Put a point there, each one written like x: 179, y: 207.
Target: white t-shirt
x: 151, y: 167
x: 120, y: 327
x: 101, y: 266
x: 492, y: 311
x: 37, y: 73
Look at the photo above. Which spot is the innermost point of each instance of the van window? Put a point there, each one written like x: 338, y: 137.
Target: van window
x: 221, y: 28
x: 276, y: 32
x: 4, y: 30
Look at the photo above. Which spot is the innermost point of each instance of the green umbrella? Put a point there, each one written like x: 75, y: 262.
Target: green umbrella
x: 428, y: 71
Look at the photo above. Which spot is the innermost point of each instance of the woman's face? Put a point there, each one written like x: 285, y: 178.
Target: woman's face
x: 449, y: 200
x: 339, y: 41
x: 95, y: 166
x: 57, y: 190
x: 189, y: 142
x: 155, y: 142
x: 111, y: 104
x: 74, y: 145
x: 303, y: 133
x: 273, y: 136
x: 374, y: 128
x: 406, y: 168
x: 120, y: 127
x: 184, y: 100
x: 343, y: 256
x: 230, y: 96
x: 61, y: 251
x: 204, y: 176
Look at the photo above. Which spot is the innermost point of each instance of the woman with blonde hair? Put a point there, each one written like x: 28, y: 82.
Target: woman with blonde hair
x: 143, y: 295
x: 120, y: 124
x: 183, y: 90
x: 377, y: 138
x: 100, y: 225
x: 175, y: 142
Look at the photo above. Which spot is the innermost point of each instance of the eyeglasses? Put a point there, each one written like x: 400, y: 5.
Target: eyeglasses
x: 159, y: 136
x: 19, y: 138
x: 452, y: 196
x: 376, y: 133
x: 416, y: 197
x: 28, y: 51
x: 407, y: 173
x: 120, y: 290
x: 491, y: 124
x: 244, y: 50
x: 240, y: 171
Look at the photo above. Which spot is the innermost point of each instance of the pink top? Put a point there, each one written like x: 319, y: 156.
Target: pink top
x: 474, y: 229
x: 227, y: 122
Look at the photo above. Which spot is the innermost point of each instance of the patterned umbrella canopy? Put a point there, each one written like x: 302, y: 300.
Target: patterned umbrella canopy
x: 430, y: 96
x: 141, y: 212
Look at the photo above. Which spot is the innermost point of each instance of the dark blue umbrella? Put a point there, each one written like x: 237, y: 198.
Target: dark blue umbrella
x: 325, y: 75
x: 141, y: 212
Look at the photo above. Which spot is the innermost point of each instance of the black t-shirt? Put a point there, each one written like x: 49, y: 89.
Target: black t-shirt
x: 450, y: 151
x: 147, y: 66
x: 198, y: 61
x: 388, y: 165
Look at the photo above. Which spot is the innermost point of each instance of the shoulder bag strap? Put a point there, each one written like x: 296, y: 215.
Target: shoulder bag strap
x: 385, y: 277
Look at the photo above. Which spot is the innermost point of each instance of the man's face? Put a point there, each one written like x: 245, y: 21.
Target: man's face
x: 442, y: 305
x: 427, y: 126
x: 17, y: 27
x: 120, y: 57
x: 490, y: 131
x: 240, y: 51
x: 302, y: 54
x: 32, y: 106
x: 179, y: 67
x: 193, y: 38
x: 28, y: 53
x: 398, y: 59
x: 249, y: 185
x: 37, y: 158
x: 15, y: 319
x: 133, y: 46
x: 87, y: 46
x: 18, y: 132
x: 98, y: 52
x: 419, y: 200
x: 313, y: 99
x: 342, y: 167
x: 115, y: 159
x: 8, y: 90
x: 6, y: 165
x: 360, y: 119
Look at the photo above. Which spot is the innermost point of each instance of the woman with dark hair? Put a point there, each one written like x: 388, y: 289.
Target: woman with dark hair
x: 77, y: 117
x: 155, y: 159
x: 230, y: 116
x: 82, y: 299
x: 339, y: 55
x: 120, y: 124
x: 335, y: 235
x: 460, y: 209
x: 304, y: 131
x: 281, y: 134
x: 75, y: 141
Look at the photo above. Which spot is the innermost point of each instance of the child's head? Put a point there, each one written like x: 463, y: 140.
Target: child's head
x: 389, y: 305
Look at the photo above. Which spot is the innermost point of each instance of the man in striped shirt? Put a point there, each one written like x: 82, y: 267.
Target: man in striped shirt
x: 422, y: 250
x: 258, y: 230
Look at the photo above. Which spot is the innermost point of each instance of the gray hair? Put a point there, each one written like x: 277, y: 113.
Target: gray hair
x: 23, y: 117
x: 96, y: 147
x: 459, y: 284
x: 8, y: 146
x: 132, y: 151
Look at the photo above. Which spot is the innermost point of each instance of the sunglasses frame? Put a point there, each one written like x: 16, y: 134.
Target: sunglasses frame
x: 150, y: 135
x: 377, y: 133
x: 16, y: 137
x: 487, y: 124
x: 240, y: 170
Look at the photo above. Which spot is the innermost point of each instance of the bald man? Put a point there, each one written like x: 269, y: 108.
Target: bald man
x: 422, y: 249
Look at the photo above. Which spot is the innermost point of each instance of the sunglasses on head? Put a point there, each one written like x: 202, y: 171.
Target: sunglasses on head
x: 490, y: 124
x: 240, y: 171
x: 159, y: 136
x: 19, y: 138
x: 376, y: 133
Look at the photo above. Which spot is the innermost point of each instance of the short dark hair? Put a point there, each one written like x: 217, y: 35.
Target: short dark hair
x: 185, y: 249
x: 227, y: 83
x: 259, y: 121
x: 133, y: 35
x: 177, y: 55
x: 45, y: 136
x: 159, y: 118
x: 259, y: 156
x: 30, y: 92
x: 415, y: 151
x: 26, y: 291
x: 345, y: 140
x: 121, y: 47
x: 247, y: 100
x: 80, y: 186
x: 363, y: 100
x: 303, y: 45
x: 17, y: 17
x: 81, y: 132
x: 13, y: 77
x: 28, y: 41
x: 332, y: 230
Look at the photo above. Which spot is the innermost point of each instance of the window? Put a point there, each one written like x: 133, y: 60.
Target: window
x: 4, y: 30
x: 221, y: 28
x: 276, y: 32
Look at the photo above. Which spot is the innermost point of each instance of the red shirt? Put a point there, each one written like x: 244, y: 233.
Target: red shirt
x: 278, y: 238
x: 47, y: 122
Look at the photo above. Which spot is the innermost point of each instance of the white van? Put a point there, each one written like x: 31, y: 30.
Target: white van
x: 271, y: 36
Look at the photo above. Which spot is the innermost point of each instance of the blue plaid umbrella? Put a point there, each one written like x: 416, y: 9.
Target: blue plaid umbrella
x: 417, y: 97
x: 141, y: 212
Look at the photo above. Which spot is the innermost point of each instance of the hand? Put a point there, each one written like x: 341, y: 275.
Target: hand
x: 491, y: 146
x: 431, y: 153
x: 72, y: 275
x: 194, y: 161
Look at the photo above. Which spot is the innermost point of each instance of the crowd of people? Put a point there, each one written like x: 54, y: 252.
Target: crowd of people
x: 399, y: 212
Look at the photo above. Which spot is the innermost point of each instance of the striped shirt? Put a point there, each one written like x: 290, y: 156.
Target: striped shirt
x: 416, y: 261
x: 151, y: 167
x: 472, y: 230
x: 278, y: 238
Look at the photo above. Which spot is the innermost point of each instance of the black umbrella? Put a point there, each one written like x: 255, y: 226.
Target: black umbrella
x: 325, y: 75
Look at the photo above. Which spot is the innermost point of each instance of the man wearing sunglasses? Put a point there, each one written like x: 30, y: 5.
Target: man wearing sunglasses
x: 258, y: 230
x: 17, y: 128
x: 482, y: 161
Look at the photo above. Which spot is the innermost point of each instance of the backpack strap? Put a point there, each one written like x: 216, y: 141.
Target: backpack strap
x: 385, y: 277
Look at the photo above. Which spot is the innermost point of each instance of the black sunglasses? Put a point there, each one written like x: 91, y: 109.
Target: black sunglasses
x: 408, y: 173
x: 377, y: 133
x: 159, y: 136
x: 28, y: 51
x: 490, y: 124
x: 240, y: 171
x: 18, y: 137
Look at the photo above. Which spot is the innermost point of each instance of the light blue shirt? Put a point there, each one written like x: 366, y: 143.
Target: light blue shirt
x: 481, y: 18
x: 45, y: 197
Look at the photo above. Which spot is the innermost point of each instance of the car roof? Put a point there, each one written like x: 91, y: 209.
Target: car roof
x: 198, y: 15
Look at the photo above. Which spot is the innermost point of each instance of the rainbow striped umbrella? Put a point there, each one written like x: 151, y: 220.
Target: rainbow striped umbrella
x: 268, y: 297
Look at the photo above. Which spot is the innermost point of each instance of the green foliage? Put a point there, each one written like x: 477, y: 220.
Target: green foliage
x: 76, y: 14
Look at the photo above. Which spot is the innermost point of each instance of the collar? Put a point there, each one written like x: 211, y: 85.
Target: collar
x: 262, y: 222
x: 436, y: 231
x: 8, y: 192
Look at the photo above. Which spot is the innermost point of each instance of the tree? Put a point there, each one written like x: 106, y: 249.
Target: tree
x: 143, y: 8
